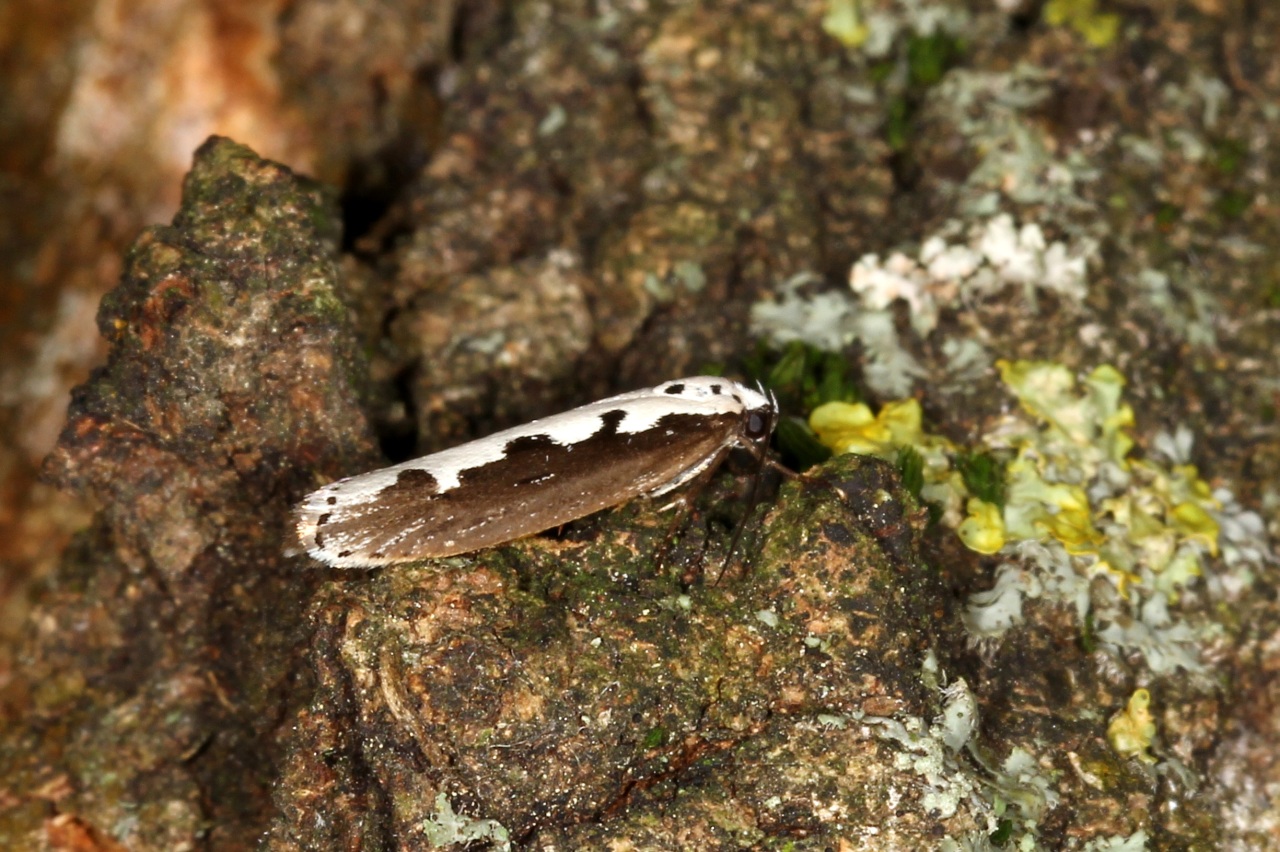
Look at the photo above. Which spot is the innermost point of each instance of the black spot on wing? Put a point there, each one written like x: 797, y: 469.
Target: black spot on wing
x: 608, y: 461
x: 523, y: 445
x: 716, y: 389
x: 527, y: 445
x: 675, y: 390
x: 609, y: 423
x: 413, y: 479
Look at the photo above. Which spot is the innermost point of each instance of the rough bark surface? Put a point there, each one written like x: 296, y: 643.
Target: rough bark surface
x: 543, y: 202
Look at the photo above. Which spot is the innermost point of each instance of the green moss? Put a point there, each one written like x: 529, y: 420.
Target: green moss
x: 803, y: 376
x: 655, y: 738
x: 1228, y: 155
x: 983, y: 475
x: 1167, y: 215
x: 880, y: 72
x: 799, y: 446
x: 897, y: 123
x: 929, y: 57
x: 1088, y: 638
x: 1233, y: 203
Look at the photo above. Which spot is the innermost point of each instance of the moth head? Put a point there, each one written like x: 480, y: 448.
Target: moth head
x: 759, y: 416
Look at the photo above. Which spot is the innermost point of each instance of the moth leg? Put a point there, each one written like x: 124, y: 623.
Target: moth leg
x: 809, y: 478
x: 684, y: 504
x: 762, y: 458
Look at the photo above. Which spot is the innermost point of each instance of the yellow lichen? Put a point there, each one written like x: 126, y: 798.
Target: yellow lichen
x: 1097, y: 28
x: 852, y: 428
x: 1132, y: 730
x: 1036, y: 509
x: 1093, y: 421
x: 983, y: 529
x: 1071, y: 439
x: 844, y: 22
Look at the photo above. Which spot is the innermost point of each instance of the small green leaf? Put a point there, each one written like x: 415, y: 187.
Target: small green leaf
x: 911, y: 466
x: 799, y: 445
x: 1088, y: 640
x: 803, y: 376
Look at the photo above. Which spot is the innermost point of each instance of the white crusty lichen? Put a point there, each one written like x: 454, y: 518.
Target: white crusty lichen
x: 953, y: 268
x: 930, y: 752
x: 447, y: 828
x: 1136, y: 842
x: 1021, y: 217
x: 994, y: 255
x: 945, y: 756
x: 873, y: 29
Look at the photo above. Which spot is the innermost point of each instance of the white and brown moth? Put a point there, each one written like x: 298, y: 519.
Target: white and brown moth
x: 533, y: 477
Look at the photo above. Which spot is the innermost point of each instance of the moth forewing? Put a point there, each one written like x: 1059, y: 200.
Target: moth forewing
x: 532, y: 477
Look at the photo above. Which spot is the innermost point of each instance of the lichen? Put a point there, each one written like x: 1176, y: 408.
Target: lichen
x: 1097, y: 28
x: 447, y: 828
x: 992, y: 256
x: 1069, y: 484
x: 945, y: 755
x: 1132, y: 730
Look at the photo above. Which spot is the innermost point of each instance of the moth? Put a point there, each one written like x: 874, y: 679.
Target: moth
x: 536, y: 476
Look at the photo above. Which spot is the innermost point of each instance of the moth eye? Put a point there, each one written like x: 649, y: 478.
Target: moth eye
x: 757, y: 425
